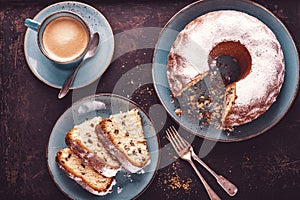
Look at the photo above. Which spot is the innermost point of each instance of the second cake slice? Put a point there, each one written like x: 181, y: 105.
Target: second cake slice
x: 83, y: 140
x: 122, y: 134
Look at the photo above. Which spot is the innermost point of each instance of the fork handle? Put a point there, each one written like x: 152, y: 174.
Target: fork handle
x: 212, y: 195
x: 229, y: 187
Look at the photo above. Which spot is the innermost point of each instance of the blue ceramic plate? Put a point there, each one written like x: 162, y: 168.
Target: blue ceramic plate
x: 128, y: 186
x: 289, y: 88
x: 55, y: 75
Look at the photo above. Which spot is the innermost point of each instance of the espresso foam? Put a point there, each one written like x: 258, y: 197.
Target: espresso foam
x: 65, y: 39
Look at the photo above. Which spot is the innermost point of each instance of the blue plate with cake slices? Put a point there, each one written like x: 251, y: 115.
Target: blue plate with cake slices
x: 54, y: 74
x: 260, y: 125
x: 128, y: 185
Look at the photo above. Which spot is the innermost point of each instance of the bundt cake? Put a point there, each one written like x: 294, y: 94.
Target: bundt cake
x: 248, y: 41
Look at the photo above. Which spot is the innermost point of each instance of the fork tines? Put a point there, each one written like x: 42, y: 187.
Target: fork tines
x: 176, y: 140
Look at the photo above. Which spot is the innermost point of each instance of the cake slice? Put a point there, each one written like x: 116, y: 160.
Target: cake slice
x: 83, y: 173
x: 122, y: 134
x: 83, y: 141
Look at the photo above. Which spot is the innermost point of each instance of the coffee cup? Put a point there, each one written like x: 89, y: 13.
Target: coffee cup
x: 63, y: 37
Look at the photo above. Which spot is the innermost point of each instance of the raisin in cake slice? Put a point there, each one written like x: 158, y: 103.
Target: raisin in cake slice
x: 83, y: 141
x: 83, y: 173
x: 123, y: 135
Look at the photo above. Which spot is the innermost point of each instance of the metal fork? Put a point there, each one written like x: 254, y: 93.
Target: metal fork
x: 183, y: 149
x: 172, y: 133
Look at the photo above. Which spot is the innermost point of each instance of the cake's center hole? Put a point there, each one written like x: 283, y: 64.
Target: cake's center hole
x: 229, y: 69
x: 232, y: 59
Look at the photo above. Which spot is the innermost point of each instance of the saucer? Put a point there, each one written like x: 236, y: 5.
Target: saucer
x: 54, y: 75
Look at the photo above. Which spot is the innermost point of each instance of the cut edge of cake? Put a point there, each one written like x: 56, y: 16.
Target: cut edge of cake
x: 230, y: 96
x: 173, y: 62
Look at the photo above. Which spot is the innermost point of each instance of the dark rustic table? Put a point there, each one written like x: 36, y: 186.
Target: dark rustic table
x: 264, y: 167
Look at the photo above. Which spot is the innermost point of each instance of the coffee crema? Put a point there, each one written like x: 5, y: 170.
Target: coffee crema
x: 65, y: 39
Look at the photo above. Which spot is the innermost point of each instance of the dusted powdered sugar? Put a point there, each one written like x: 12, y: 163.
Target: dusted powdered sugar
x: 190, y: 53
x: 91, y: 106
x: 220, y: 26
